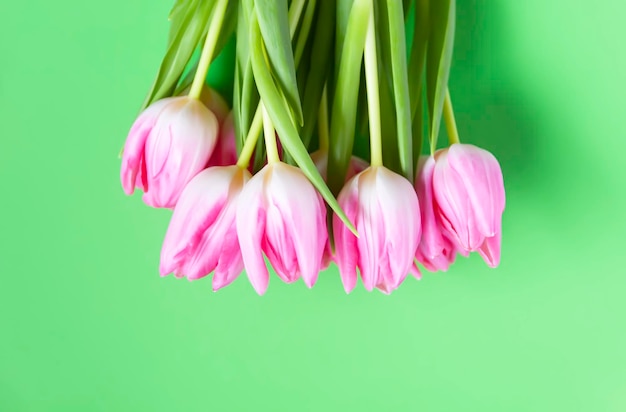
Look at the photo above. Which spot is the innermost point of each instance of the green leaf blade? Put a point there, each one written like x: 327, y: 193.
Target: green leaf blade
x: 345, y: 97
x: 273, y: 20
x: 441, y: 43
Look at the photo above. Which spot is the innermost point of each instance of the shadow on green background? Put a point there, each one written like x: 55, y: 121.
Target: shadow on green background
x: 88, y: 324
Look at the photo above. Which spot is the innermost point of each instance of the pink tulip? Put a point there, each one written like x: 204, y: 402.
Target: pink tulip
x: 281, y: 214
x: 435, y: 250
x: 225, y: 153
x: 202, y: 235
x: 385, y: 210
x: 469, y: 192
x: 170, y: 143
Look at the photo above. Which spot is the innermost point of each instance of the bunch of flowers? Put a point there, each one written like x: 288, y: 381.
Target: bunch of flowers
x: 327, y: 84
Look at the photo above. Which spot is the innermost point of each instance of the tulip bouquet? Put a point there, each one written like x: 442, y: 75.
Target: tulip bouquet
x: 327, y: 84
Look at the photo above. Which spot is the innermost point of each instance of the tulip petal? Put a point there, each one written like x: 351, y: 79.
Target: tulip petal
x: 251, y: 219
x: 133, y: 155
x: 371, y: 228
x: 490, y: 250
x: 483, y: 182
x: 178, y: 148
x: 454, y: 204
x: 198, y: 208
x: 346, y: 250
x: 303, y: 214
x: 401, y: 214
x: 230, y: 263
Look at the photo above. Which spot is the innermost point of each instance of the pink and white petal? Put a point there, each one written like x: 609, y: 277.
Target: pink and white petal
x: 346, y: 248
x: 401, y: 213
x: 483, y: 181
x: 198, y: 208
x: 490, y: 250
x: 370, y: 225
x: 230, y: 263
x: 303, y: 214
x: 251, y: 219
x: 454, y: 203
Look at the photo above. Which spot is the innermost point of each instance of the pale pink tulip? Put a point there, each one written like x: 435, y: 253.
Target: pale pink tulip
x: 469, y: 192
x: 281, y: 214
x: 170, y: 142
x: 225, y: 153
x: 435, y: 251
x: 202, y: 235
x: 384, y: 208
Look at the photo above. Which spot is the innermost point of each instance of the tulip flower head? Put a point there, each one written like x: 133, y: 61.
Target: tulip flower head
x: 469, y: 192
x: 385, y: 210
x: 280, y: 214
x: 202, y: 235
x: 169, y: 143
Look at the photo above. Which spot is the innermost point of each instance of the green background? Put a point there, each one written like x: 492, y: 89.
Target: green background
x: 88, y: 325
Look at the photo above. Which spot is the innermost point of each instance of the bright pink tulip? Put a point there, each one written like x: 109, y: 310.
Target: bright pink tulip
x: 281, y: 214
x: 202, y: 235
x: 170, y: 143
x: 469, y: 192
x: 225, y: 153
x: 435, y: 250
x: 384, y: 208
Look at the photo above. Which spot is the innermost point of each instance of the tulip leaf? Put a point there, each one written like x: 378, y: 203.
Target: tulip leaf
x: 287, y: 131
x: 395, y: 14
x: 322, y: 48
x: 190, y: 25
x: 305, y: 28
x: 419, y: 41
x: 345, y: 98
x: 246, y: 97
x: 442, y: 15
x: 273, y: 20
x: 176, y: 18
x: 343, y: 8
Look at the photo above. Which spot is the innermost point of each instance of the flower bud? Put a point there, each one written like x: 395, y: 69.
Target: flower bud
x: 170, y: 142
x: 384, y: 209
x: 281, y: 214
x: 469, y: 191
x: 202, y: 235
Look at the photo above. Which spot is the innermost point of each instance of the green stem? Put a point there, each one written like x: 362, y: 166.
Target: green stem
x: 270, y: 137
x: 448, y: 117
x: 251, y: 139
x: 322, y: 123
x: 212, y: 36
x: 373, y: 98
